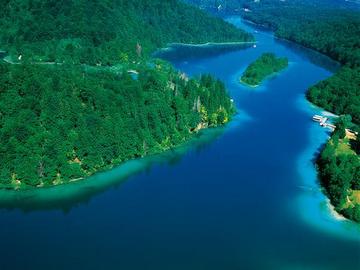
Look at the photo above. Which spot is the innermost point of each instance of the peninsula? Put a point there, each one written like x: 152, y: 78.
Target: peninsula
x: 104, y: 99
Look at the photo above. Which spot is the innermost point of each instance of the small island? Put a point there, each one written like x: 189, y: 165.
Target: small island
x: 266, y: 65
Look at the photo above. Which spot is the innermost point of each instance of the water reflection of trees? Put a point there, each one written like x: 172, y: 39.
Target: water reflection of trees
x: 187, y: 52
x: 67, y: 197
x: 314, y: 57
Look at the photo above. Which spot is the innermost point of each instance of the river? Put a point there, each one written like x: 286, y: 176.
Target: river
x: 242, y: 197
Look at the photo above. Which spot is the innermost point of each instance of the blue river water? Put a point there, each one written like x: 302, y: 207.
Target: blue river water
x: 242, y: 197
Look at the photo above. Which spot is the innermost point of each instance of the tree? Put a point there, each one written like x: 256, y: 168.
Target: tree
x: 342, y: 123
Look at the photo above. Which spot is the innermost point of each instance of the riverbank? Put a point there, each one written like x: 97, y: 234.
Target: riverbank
x: 68, y: 195
x: 249, y: 85
x: 269, y: 77
x: 212, y: 44
x: 318, y: 157
x: 199, y: 133
x: 313, y: 205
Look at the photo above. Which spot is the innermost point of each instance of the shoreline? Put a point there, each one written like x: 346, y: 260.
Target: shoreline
x: 274, y: 74
x: 330, y: 207
x: 196, y: 136
x: 68, y: 195
x: 312, y: 204
x: 249, y: 85
x: 210, y: 44
x: 207, y: 45
x: 336, y: 215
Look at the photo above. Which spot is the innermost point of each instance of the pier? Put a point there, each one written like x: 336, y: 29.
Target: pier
x: 323, y: 121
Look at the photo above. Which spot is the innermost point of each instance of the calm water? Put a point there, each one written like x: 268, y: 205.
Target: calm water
x: 245, y: 197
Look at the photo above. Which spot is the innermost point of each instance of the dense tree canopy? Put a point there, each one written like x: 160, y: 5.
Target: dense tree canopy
x: 58, y: 124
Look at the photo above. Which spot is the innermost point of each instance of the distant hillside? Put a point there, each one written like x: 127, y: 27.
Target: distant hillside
x: 104, y: 31
x: 333, y: 32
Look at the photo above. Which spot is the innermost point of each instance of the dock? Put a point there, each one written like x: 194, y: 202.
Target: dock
x: 324, y: 122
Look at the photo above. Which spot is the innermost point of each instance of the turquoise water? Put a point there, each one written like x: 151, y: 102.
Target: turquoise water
x: 242, y: 197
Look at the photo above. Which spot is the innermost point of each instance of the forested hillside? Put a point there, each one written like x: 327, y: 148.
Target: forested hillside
x: 83, y: 94
x: 104, y: 31
x: 333, y: 32
x: 57, y: 125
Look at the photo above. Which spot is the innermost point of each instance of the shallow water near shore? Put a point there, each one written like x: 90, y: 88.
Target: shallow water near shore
x: 66, y: 196
x: 246, y: 198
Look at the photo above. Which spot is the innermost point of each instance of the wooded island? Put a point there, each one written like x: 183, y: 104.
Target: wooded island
x: 266, y: 65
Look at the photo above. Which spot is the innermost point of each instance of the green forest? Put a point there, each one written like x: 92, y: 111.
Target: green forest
x: 59, y: 124
x: 80, y: 92
x: 266, y: 65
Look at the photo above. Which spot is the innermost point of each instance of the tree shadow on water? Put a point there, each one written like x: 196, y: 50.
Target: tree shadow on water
x: 68, y: 196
